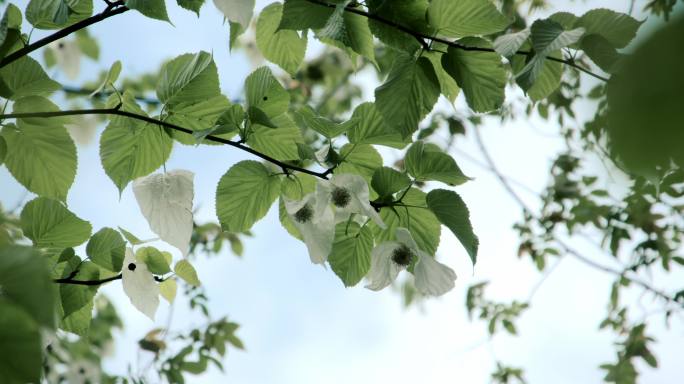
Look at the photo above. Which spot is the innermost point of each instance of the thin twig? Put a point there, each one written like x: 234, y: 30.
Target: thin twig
x: 118, y: 112
x: 421, y: 37
x: 112, y: 9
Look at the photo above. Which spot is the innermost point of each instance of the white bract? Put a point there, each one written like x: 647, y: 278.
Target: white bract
x: 237, y: 11
x: 67, y: 56
x: 139, y: 285
x: 165, y: 199
x: 83, y: 372
x: 390, y: 257
x: 349, y: 194
x: 82, y: 129
x: 316, y: 223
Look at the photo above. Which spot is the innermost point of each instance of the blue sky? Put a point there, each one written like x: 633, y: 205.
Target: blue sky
x: 299, y: 324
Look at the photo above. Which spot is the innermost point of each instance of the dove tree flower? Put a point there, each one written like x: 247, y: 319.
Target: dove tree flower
x: 67, y: 56
x: 316, y: 223
x: 139, y: 285
x: 349, y: 194
x: 390, y: 257
x: 165, y: 200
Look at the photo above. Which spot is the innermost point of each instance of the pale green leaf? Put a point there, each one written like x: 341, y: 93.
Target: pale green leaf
x: 388, y: 181
x: 154, y: 259
x: 447, y: 84
x: 236, y: 11
x: 55, y: 14
x: 186, y: 271
x: 25, y: 77
x: 107, y: 249
x: 465, y: 18
x: 351, y: 252
x: 264, y: 91
x: 155, y: 9
x: 426, y: 162
x: 507, y: 45
x: 48, y: 224
x: 280, y: 143
x: 282, y: 47
x: 367, y: 126
x: 197, y: 116
x: 168, y: 289
x: 244, y: 195
x: 360, y: 159
x: 188, y: 79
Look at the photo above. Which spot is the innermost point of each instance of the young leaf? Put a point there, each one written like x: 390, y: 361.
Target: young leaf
x: 408, y: 94
x: 236, y: 11
x: 49, y: 224
x: 155, y: 9
x: 244, y: 195
x: 481, y: 75
x: 186, y: 271
x: 131, y: 238
x: 155, y: 260
x: 285, y: 48
x: 451, y: 211
x: 388, y: 181
x: 107, y: 248
x: 139, y: 285
x: 110, y: 78
x: 465, y: 18
x: 264, y: 91
x: 25, y: 77
x: 350, y: 255
x: 308, y: 119
x: 427, y: 162
x: 188, y: 79
x: 367, y: 126
x: 165, y: 199
x: 130, y: 148
x: 168, y: 289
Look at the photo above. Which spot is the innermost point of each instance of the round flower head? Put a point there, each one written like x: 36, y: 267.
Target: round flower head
x: 316, y: 224
x: 349, y: 194
x: 390, y: 257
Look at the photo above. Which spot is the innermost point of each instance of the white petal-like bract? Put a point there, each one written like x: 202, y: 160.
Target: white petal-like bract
x: 68, y: 57
x: 139, y: 285
x: 383, y: 270
x: 432, y: 277
x: 359, y: 196
x: 237, y: 11
x: 165, y: 199
x: 317, y: 227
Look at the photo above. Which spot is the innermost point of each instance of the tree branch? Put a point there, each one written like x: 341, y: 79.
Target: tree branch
x: 113, y: 8
x: 421, y: 37
x: 118, y: 112
x: 567, y: 248
x: 104, y: 94
x: 70, y: 280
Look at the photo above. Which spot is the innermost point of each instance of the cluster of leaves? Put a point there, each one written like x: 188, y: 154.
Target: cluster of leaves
x: 496, y: 314
x: 428, y: 49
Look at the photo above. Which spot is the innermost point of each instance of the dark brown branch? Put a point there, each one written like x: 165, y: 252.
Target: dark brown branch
x: 421, y: 37
x: 112, y: 9
x: 104, y: 94
x: 117, y: 111
x: 69, y: 280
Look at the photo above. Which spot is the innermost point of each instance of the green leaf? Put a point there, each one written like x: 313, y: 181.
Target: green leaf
x: 131, y: 238
x: 416, y: 217
x: 549, y: 78
x: 547, y: 37
x: 25, y: 77
x: 362, y: 160
x: 451, y: 211
x: 351, y: 253
x: 11, y: 19
x: 350, y: 30
x: 426, y: 162
x: 26, y: 283
x: 107, y: 248
x: 602, y: 53
x: 308, y: 118
x: 88, y: 45
x: 191, y: 5
x: 130, y: 148
x: 188, y: 79
x: 74, y: 297
x: 645, y: 99
x: 481, y: 75
x: 257, y: 116
x: 280, y: 143
x: 198, y: 116
x: 56, y: 14
x: 302, y: 14
x: 155, y: 260
x: 49, y: 224
x: 110, y: 78
x: 465, y: 18
x: 236, y: 29
x: 40, y: 152
x: 3, y: 150
x: 236, y: 11
x: 408, y: 13
x: 155, y: 9
x: 447, y: 84
x: 168, y: 289
x: 79, y: 321
x: 369, y: 127
x: 618, y: 28
x: 265, y: 92
x: 507, y: 45
x: 244, y: 195
x: 388, y: 181
x: 21, y: 359
x: 186, y: 271
x: 409, y: 93
x: 283, y: 47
